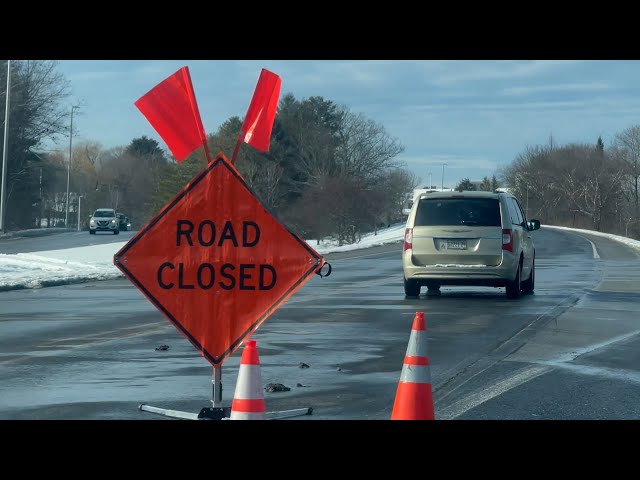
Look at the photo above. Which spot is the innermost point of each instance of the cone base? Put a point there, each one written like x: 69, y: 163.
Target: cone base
x: 414, y: 401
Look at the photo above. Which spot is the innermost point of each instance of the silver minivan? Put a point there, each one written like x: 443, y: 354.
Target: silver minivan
x: 468, y: 238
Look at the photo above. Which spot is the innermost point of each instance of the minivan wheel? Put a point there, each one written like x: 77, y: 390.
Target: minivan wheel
x: 92, y: 232
x: 116, y: 232
x: 411, y: 288
x: 529, y: 284
x: 514, y: 288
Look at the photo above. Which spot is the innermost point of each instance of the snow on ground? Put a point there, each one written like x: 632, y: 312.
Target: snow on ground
x: 627, y: 241
x: 72, y: 265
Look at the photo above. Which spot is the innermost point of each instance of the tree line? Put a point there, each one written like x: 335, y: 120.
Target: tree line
x: 581, y: 185
x: 329, y: 171
x: 577, y: 185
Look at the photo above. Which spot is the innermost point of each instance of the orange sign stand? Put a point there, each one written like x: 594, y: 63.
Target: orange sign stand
x: 217, y: 263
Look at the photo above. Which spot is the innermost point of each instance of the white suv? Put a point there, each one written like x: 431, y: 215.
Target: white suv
x: 468, y: 238
x: 104, y: 220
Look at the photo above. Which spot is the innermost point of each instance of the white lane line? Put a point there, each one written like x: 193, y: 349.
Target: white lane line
x: 613, y: 373
x: 593, y: 246
x: 569, y: 357
x: 472, y: 401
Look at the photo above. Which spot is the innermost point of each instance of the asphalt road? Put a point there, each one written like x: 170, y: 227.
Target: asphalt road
x: 570, y: 351
x: 60, y: 241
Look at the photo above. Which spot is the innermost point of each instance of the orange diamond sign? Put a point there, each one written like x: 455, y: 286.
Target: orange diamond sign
x: 215, y: 262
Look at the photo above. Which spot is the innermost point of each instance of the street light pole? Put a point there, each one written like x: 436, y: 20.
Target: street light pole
x: 430, y: 181
x: 5, y: 149
x: 79, y: 205
x: 66, y: 215
x: 442, y: 189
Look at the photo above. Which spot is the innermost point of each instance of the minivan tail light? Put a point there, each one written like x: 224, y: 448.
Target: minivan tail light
x: 408, y: 239
x: 507, y: 240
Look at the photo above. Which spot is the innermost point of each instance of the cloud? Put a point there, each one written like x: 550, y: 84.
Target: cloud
x: 466, y: 71
x: 568, y: 87
x: 594, y: 105
x: 154, y: 70
x: 306, y: 75
x: 494, y: 106
x: 434, y: 163
x: 92, y: 76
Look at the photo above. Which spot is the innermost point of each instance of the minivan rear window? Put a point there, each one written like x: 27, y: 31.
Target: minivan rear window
x: 480, y: 212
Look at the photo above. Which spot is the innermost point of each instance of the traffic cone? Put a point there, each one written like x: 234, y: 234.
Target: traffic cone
x: 414, y: 398
x: 248, y: 399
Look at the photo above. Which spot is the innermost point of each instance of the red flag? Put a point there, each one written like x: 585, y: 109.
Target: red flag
x: 258, y: 123
x: 172, y: 110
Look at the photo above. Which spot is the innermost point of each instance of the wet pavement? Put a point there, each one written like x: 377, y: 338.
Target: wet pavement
x: 88, y: 351
x: 40, y: 242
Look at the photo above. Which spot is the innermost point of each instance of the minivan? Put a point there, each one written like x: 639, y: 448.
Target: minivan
x: 468, y: 238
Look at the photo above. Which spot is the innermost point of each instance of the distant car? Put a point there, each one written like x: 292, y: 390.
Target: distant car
x: 468, y: 238
x: 104, y: 220
x: 123, y: 221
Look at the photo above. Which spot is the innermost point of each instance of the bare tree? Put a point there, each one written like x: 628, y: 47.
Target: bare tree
x: 365, y: 149
x: 264, y: 178
x: 629, y: 144
x: 396, y: 183
x: 37, y: 114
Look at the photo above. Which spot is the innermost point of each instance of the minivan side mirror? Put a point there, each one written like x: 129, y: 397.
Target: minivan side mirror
x: 534, y: 224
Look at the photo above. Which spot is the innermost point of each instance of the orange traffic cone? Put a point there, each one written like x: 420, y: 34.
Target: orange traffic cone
x: 414, y: 398
x: 248, y: 400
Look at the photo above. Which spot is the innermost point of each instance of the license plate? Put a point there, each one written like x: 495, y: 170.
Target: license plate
x: 456, y: 244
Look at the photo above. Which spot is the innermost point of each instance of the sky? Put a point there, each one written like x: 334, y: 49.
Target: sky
x: 74, y: 265
x: 473, y: 116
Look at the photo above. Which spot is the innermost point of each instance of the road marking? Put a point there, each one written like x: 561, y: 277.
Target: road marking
x: 472, y: 401
x: 593, y: 246
x: 568, y: 357
x: 613, y: 373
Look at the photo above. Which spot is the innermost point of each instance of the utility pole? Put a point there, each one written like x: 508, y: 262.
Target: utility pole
x: 5, y: 150
x: 66, y: 215
x: 41, y: 202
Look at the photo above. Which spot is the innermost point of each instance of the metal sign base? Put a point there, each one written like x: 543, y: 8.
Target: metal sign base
x: 214, y: 413
x: 217, y: 411
x: 221, y: 413
x: 296, y: 412
x: 169, y: 413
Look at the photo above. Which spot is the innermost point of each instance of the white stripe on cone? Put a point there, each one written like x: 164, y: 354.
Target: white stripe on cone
x: 249, y: 386
x: 246, y: 416
x: 417, y: 344
x: 415, y: 374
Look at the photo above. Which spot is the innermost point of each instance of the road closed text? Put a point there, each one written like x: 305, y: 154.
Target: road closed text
x: 206, y: 275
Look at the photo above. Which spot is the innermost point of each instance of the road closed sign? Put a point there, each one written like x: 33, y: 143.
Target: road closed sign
x: 215, y: 262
